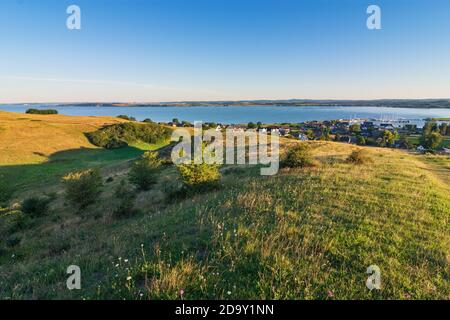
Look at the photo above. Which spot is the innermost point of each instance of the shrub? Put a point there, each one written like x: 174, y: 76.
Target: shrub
x: 359, y: 156
x: 199, y: 176
x: 122, y: 134
x: 41, y: 111
x: 83, y: 187
x: 36, y: 206
x: 127, y: 195
x: 299, y: 157
x: 125, y: 117
x: 143, y: 173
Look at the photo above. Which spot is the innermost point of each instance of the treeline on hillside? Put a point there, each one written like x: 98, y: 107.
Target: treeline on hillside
x: 41, y: 111
x: 123, y: 134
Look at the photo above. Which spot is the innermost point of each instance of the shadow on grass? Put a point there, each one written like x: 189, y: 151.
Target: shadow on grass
x: 27, y: 176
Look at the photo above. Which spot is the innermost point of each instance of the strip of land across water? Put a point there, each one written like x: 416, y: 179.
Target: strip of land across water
x: 393, y: 103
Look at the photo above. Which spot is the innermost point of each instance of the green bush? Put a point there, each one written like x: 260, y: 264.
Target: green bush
x: 41, y: 111
x: 125, y: 117
x: 144, y: 171
x: 126, y: 195
x: 387, y: 139
x: 83, y: 187
x: 359, y: 156
x: 299, y: 157
x: 122, y: 134
x: 35, y: 206
x: 199, y: 176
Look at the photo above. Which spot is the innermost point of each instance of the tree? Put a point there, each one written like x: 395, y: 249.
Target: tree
x: 175, y: 120
x: 83, y: 187
x: 251, y: 125
x: 125, y: 117
x: 433, y: 140
x: 355, y: 128
x: 444, y: 129
x: 143, y: 173
x: 360, y: 140
x: 326, y: 133
x: 429, y: 127
x: 387, y: 139
x: 310, y: 134
x: 431, y: 136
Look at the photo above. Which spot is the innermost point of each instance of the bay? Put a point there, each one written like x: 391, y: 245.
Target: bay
x: 245, y: 114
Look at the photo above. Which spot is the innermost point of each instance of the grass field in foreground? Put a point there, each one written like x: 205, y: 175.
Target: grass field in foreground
x: 303, y: 234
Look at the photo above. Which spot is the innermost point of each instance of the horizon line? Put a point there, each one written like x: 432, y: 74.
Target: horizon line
x: 228, y: 101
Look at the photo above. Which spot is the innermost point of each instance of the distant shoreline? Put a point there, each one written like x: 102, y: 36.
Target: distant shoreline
x: 407, y: 104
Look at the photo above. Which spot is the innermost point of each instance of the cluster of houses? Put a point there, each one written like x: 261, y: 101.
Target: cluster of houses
x: 335, y: 127
x: 348, y: 131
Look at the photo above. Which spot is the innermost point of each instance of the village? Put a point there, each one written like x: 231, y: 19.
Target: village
x: 423, y: 135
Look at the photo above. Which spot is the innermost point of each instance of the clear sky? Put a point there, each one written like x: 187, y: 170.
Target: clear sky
x: 171, y: 50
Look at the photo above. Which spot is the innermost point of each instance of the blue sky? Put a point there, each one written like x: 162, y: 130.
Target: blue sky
x: 170, y: 50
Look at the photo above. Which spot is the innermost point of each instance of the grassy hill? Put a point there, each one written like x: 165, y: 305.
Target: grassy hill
x: 36, y: 150
x: 302, y: 234
x: 28, y: 138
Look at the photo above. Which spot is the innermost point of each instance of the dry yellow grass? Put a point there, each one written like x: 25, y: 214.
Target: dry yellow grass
x: 26, y: 138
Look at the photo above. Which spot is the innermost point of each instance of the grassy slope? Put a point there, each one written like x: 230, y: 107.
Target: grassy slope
x: 30, y: 138
x: 297, y: 235
x: 36, y: 150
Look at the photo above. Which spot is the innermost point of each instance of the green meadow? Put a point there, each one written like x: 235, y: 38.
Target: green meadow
x: 305, y: 233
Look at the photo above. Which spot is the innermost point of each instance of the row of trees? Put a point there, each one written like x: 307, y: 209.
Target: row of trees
x: 41, y: 111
